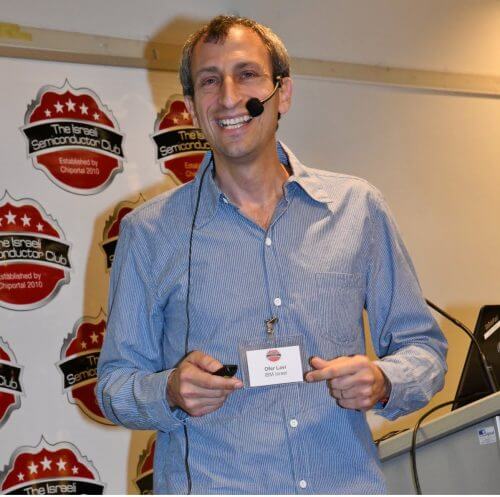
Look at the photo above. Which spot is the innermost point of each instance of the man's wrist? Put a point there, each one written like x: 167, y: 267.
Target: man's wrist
x: 386, y: 390
x: 168, y: 389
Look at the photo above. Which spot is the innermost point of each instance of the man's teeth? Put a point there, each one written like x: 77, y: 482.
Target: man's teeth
x: 235, y: 122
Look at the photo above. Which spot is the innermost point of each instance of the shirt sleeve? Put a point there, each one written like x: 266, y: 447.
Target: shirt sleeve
x: 407, y: 339
x: 132, y: 377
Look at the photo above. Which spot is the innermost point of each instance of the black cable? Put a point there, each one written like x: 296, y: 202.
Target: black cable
x: 388, y: 435
x: 413, y: 454
x: 490, y: 378
x: 188, y: 321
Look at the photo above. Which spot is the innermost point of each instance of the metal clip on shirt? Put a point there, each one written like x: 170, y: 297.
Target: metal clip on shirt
x: 270, y: 325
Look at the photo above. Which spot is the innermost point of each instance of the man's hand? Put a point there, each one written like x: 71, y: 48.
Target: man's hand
x: 193, y: 388
x: 356, y: 382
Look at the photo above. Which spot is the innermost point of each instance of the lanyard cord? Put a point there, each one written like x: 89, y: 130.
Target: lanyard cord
x: 188, y: 321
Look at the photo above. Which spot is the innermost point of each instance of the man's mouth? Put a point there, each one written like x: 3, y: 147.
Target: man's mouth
x: 234, y: 122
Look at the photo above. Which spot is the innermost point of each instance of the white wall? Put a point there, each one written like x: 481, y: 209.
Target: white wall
x: 436, y: 158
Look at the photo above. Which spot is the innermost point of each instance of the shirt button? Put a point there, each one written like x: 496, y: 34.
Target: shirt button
x: 302, y: 484
x: 294, y: 423
x: 277, y: 301
x: 224, y: 199
x: 268, y: 242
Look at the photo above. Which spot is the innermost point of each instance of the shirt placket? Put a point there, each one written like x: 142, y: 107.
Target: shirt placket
x: 290, y: 398
x: 295, y: 423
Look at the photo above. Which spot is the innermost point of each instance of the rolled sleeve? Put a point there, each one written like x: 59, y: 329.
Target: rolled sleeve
x: 406, y: 338
x: 132, y: 376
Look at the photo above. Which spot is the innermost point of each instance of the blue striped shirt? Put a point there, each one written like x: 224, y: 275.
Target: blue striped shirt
x: 331, y: 250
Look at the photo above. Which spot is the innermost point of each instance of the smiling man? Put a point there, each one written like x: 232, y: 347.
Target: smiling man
x: 266, y: 264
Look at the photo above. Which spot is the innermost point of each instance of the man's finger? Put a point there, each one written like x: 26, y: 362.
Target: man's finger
x: 194, y: 392
x: 357, y: 392
x: 204, y: 361
x: 336, y: 368
x: 208, y: 381
x: 318, y: 363
x: 323, y: 370
x: 320, y: 375
x: 363, y: 377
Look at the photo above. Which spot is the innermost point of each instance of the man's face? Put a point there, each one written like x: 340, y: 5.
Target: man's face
x: 225, y: 76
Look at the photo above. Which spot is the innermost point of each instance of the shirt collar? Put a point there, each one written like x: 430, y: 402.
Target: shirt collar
x: 211, y: 196
x: 303, y: 176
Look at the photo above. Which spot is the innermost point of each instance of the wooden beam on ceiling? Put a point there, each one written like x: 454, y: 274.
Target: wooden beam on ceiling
x: 63, y: 46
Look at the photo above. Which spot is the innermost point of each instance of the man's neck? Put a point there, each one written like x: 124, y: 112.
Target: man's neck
x: 254, y: 186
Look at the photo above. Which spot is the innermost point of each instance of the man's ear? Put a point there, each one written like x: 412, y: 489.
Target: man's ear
x: 285, y: 95
x: 188, y: 101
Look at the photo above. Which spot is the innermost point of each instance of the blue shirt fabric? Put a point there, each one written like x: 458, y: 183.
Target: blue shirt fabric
x: 332, y: 249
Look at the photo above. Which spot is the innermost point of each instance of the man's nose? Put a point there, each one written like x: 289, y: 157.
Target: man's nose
x: 229, y: 93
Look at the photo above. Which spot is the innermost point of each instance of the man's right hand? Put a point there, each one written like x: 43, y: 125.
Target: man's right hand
x: 193, y: 387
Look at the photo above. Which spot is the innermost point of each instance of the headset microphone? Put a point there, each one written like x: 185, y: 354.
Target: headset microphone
x: 255, y: 106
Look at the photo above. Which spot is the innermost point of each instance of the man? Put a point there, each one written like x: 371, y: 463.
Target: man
x: 266, y: 264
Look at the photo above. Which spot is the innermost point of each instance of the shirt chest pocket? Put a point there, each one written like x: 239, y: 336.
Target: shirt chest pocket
x: 339, y: 306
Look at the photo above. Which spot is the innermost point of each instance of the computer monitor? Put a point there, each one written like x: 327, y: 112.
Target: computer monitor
x: 487, y: 333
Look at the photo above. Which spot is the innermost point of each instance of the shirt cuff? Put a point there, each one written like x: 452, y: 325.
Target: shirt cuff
x: 176, y: 412
x: 388, y: 409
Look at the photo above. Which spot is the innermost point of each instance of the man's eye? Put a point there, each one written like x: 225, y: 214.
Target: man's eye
x: 208, y: 81
x: 248, y: 75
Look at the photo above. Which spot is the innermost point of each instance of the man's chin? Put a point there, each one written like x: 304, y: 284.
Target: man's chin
x: 235, y: 152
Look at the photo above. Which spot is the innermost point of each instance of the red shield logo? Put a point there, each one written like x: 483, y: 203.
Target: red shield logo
x: 73, y: 138
x: 144, y: 480
x: 180, y: 147
x: 112, y: 228
x: 34, y: 255
x: 79, y: 355
x: 50, y: 469
x: 11, y: 388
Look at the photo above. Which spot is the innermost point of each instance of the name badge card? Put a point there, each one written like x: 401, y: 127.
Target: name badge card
x: 275, y: 360
x: 273, y: 366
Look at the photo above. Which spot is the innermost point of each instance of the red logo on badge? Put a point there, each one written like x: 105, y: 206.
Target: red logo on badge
x: 79, y: 356
x: 273, y: 355
x: 144, y: 480
x: 10, y: 382
x: 34, y: 255
x: 112, y: 228
x: 50, y: 469
x: 180, y: 147
x: 73, y: 138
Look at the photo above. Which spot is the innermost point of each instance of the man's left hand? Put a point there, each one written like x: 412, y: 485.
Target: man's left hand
x: 355, y: 382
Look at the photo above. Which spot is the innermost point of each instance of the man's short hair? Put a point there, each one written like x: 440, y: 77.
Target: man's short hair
x: 216, y: 32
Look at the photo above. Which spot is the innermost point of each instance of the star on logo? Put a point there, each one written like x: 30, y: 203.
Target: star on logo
x: 11, y: 218
x: 74, y: 469
x: 48, y: 113
x: 46, y: 463
x: 26, y: 220
x: 61, y: 464
x: 96, y: 116
x: 59, y: 107
x: 185, y: 115
x: 20, y: 477
x: 39, y: 226
x: 83, y: 345
x: 70, y: 105
x: 84, y: 109
x: 175, y: 120
x: 94, y: 337
x: 33, y: 468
